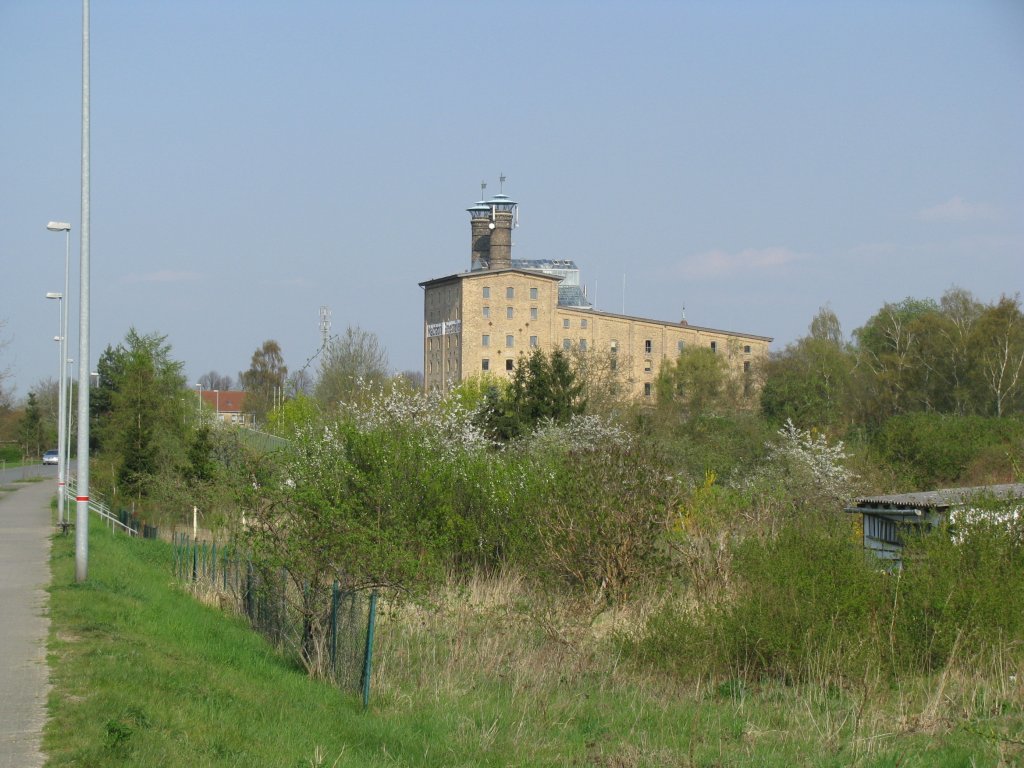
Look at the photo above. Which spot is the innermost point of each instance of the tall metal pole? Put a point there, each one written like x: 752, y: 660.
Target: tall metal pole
x: 62, y: 405
x: 82, y: 497
x: 61, y: 402
x: 63, y: 465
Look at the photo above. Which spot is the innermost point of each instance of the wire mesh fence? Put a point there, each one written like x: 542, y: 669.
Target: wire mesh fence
x: 325, y: 629
x: 139, y: 527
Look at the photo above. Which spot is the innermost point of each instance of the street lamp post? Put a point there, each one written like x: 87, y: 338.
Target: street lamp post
x: 82, y: 486
x: 62, y: 408
x: 61, y: 404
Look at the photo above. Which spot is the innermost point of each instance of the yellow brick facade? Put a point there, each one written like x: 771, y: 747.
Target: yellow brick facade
x: 482, y: 321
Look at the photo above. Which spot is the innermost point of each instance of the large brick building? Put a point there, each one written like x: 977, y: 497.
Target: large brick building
x: 480, y: 321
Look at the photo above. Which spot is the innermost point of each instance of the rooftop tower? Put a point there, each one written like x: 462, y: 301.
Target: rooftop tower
x: 491, y: 223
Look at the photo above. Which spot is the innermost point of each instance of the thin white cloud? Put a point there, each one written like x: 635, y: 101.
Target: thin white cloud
x: 957, y: 209
x: 718, y: 263
x: 163, y: 276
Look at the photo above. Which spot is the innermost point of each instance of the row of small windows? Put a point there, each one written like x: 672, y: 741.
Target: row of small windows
x: 485, y: 364
x: 510, y: 341
x: 510, y: 292
x: 437, y: 343
x: 510, y: 312
x: 567, y: 343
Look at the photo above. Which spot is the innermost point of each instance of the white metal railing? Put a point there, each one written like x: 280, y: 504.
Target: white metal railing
x: 99, y: 507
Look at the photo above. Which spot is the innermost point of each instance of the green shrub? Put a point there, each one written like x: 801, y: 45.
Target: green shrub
x: 601, y: 529
x: 961, y: 590
x: 938, y: 449
x: 10, y: 453
x: 803, y: 600
x: 807, y: 598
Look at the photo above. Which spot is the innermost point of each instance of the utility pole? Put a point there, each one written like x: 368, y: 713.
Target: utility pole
x: 82, y: 497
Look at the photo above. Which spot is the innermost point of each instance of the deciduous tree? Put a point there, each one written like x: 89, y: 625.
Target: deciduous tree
x: 352, y: 364
x: 264, y: 381
x: 213, y: 380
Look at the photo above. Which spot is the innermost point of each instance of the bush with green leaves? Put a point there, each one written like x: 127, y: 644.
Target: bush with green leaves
x: 935, y: 449
x: 602, y: 523
x: 808, y: 602
x: 961, y: 589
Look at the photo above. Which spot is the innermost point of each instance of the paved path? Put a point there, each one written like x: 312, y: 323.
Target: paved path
x: 24, y: 575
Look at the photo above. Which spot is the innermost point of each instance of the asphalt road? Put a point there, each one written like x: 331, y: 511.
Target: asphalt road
x: 30, y: 470
x: 24, y: 575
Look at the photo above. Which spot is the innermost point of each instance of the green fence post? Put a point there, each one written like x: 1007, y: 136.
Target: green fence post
x: 368, y: 654
x: 334, y: 629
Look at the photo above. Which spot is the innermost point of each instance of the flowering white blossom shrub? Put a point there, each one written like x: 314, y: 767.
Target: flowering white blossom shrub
x: 580, y: 433
x: 803, y: 463
x: 443, y: 422
x: 964, y: 520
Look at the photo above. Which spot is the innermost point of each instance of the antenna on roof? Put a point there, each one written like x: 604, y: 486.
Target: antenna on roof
x: 501, y: 182
x: 483, y: 187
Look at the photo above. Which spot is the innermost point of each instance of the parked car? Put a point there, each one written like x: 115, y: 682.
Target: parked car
x: 50, y: 457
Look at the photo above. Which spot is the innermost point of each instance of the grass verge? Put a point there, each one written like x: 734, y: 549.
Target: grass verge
x: 145, y: 675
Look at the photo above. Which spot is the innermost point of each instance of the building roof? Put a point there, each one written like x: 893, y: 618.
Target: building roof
x: 480, y: 272
x: 573, y: 296
x: 941, y: 499
x: 543, y: 264
x: 225, y: 400
x: 690, y: 326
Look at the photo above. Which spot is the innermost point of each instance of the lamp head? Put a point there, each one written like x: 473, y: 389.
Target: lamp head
x: 58, y: 226
x: 52, y: 295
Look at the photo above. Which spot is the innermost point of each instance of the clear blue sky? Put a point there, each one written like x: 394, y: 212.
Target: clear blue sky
x: 751, y: 161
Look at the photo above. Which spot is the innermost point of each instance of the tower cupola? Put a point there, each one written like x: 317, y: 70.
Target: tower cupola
x: 502, y: 218
x: 479, y: 222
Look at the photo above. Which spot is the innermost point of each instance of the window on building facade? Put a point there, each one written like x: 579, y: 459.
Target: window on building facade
x: 648, y: 346
x: 746, y: 349
x: 508, y: 312
x: 565, y: 322
x: 746, y: 366
x: 533, y: 341
x: 487, y: 311
x: 648, y: 365
x: 485, y: 364
x: 714, y: 346
x: 510, y: 292
x: 485, y: 340
x: 566, y: 343
x: 680, y: 346
x: 533, y: 294
x: 613, y: 364
x: 508, y: 364
x: 583, y: 323
x: 647, y: 389
x: 583, y: 345
x: 533, y: 313
x: 510, y: 341
x: 487, y: 292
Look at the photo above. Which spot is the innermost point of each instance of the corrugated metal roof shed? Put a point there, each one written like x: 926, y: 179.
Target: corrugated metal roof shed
x: 888, y: 518
x: 943, y: 498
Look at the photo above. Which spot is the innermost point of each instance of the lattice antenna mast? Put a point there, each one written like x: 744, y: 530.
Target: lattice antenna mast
x: 325, y: 324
